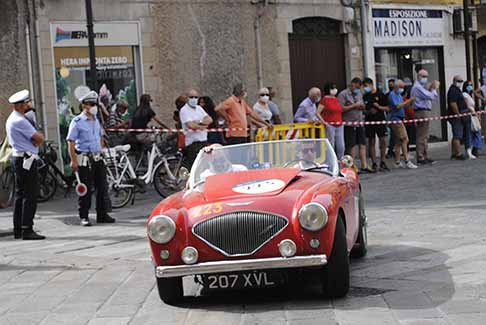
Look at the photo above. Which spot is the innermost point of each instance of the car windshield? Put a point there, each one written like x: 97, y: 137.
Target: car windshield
x: 305, y: 154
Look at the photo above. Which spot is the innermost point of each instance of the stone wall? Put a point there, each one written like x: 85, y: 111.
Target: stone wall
x: 13, y: 58
x: 210, y: 47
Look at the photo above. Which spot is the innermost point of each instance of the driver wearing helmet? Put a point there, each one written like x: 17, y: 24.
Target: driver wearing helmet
x: 219, y: 163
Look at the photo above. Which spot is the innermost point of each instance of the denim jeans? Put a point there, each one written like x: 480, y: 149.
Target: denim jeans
x: 335, y: 135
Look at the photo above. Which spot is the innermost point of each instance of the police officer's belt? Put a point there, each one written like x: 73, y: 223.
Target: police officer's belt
x: 21, y: 154
x: 91, y: 155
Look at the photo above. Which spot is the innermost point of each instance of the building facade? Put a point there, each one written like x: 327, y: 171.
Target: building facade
x: 406, y: 36
x: 165, y: 47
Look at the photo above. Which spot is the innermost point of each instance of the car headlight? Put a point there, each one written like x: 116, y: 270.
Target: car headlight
x: 161, y: 229
x: 313, y: 216
x: 287, y: 248
x: 189, y: 255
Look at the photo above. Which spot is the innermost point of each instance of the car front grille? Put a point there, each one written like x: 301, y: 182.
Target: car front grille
x: 239, y: 233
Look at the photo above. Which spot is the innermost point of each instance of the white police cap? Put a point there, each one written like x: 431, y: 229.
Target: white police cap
x: 22, y: 96
x: 89, y: 97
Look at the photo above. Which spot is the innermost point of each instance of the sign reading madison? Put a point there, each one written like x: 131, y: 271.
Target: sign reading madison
x: 403, y: 27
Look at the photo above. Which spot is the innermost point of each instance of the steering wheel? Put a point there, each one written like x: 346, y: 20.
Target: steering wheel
x: 300, y: 162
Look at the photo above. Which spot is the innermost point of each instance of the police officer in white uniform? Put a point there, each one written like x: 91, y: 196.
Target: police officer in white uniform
x: 25, y: 141
x: 85, y: 138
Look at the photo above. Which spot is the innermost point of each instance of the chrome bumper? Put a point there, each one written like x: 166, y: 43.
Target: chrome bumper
x: 241, y: 265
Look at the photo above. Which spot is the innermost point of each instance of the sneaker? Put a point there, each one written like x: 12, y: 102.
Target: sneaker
x: 85, y: 222
x: 411, y: 165
x: 390, y: 154
x: 400, y: 164
x: 384, y: 167
x: 366, y: 170
x: 17, y: 233
x: 459, y: 157
x: 375, y: 168
x: 29, y: 234
x: 422, y: 162
x: 430, y: 161
x: 105, y: 219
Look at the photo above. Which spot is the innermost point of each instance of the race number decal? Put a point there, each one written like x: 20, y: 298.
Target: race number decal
x: 208, y: 209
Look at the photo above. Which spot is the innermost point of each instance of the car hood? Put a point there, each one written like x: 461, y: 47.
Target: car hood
x: 260, y: 182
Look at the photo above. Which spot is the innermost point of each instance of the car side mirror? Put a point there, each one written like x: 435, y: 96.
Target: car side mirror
x: 347, y: 162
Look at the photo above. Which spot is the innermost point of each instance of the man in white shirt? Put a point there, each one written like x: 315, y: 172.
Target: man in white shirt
x: 195, y: 120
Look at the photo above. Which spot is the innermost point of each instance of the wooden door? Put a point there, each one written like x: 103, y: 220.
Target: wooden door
x: 316, y: 56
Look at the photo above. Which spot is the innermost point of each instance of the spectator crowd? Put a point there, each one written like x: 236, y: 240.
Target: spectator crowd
x: 353, y: 118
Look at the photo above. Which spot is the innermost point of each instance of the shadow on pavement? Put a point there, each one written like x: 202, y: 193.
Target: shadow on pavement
x: 402, y: 277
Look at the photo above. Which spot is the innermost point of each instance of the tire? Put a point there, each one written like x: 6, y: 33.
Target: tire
x: 162, y: 182
x: 47, y: 185
x: 170, y: 290
x: 119, y: 197
x: 7, y: 185
x: 361, y: 246
x: 335, y: 278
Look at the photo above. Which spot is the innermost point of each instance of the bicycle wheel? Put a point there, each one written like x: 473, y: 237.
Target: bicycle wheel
x: 7, y: 185
x: 47, y: 185
x: 120, y: 193
x: 164, y: 184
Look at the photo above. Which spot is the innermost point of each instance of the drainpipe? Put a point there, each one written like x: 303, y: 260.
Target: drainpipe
x: 364, y: 39
x: 258, y: 40
x: 39, y: 72
x: 29, y: 58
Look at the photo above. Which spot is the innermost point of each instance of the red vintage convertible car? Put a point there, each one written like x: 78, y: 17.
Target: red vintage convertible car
x: 254, y: 212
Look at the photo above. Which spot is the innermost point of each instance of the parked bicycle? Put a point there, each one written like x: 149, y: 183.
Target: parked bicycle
x: 51, y: 176
x: 165, y: 170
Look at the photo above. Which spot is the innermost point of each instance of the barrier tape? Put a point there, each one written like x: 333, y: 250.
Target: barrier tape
x: 357, y: 123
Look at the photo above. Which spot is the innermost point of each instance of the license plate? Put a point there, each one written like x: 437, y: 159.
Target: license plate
x: 242, y: 280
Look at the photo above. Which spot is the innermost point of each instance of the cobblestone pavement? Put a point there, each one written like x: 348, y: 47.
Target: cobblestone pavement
x: 426, y: 264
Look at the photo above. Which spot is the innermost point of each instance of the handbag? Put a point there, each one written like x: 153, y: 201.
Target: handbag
x: 475, y: 124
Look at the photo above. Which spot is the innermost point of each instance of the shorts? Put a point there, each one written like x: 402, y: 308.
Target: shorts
x: 376, y: 130
x: 457, y: 125
x: 400, y: 132
x: 354, y: 135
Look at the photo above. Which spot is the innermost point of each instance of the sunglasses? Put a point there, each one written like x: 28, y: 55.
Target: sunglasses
x: 459, y: 80
x: 194, y: 97
x: 264, y: 94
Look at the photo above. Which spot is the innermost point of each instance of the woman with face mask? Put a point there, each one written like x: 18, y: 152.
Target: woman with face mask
x: 475, y: 136
x: 261, y: 106
x: 330, y: 113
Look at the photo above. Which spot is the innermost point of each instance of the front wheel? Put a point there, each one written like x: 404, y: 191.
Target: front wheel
x: 119, y: 189
x: 47, y: 185
x: 335, y: 278
x: 7, y: 185
x: 170, y: 289
x: 167, y: 184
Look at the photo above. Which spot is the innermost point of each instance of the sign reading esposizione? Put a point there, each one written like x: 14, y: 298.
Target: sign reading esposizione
x: 407, y: 27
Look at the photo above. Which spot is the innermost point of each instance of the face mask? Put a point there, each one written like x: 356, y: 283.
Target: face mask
x: 318, y: 100
x: 423, y: 81
x: 334, y: 91
x: 245, y: 94
x: 192, y: 102
x: 469, y: 88
x: 30, y: 114
x: 93, y: 110
x: 357, y: 91
x: 367, y: 90
x: 401, y: 90
x: 458, y: 84
x: 265, y: 98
